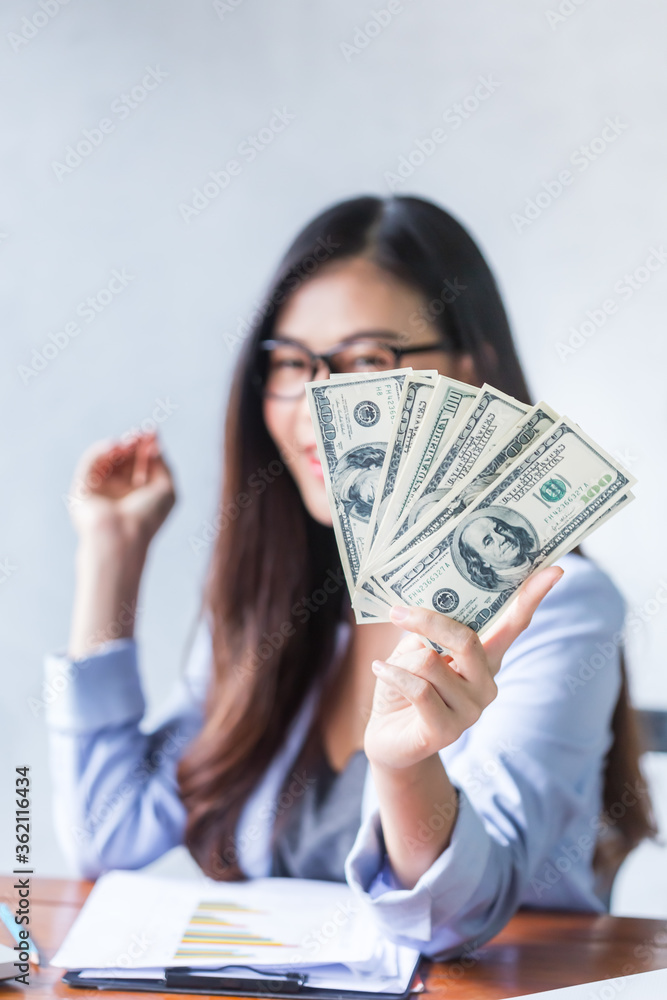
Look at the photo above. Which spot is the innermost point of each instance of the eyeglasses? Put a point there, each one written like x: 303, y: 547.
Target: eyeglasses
x: 286, y: 366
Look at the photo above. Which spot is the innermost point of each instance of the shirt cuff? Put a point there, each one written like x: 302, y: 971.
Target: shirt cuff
x: 95, y: 692
x: 442, y: 894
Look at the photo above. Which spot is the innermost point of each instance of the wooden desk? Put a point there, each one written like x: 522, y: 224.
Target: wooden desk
x: 536, y: 951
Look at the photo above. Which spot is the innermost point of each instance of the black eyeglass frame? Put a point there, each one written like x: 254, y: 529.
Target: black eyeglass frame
x: 326, y: 357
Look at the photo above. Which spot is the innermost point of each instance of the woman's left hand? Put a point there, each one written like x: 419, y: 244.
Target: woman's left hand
x: 424, y: 700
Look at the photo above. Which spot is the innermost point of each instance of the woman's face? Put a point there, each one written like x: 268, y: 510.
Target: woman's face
x: 344, y: 300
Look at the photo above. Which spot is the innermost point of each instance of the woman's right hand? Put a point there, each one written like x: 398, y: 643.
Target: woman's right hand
x: 126, y: 489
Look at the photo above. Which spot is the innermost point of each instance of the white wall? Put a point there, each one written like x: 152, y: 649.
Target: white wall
x: 166, y: 336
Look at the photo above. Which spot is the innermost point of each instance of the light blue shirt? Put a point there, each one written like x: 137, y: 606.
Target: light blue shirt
x: 528, y: 773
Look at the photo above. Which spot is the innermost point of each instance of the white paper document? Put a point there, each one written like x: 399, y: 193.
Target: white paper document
x: 135, y: 926
x: 643, y: 986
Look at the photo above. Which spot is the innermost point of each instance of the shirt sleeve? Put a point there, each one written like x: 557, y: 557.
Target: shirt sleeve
x: 528, y: 776
x: 116, y: 801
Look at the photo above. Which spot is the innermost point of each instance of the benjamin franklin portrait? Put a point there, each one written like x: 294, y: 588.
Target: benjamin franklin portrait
x: 495, y: 552
x: 356, y: 479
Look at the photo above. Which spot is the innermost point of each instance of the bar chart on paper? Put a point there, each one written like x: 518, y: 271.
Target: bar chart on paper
x: 219, y: 929
x: 142, y: 932
x: 151, y: 922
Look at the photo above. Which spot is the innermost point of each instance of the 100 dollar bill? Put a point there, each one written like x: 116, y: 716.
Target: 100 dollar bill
x: 530, y: 516
x: 486, y: 422
x: 532, y: 426
x: 448, y: 404
x: 413, y: 404
x: 353, y: 418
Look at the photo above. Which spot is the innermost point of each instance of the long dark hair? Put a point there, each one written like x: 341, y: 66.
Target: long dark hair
x: 271, y: 643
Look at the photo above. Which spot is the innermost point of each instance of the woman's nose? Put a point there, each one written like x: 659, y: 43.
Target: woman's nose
x: 322, y: 369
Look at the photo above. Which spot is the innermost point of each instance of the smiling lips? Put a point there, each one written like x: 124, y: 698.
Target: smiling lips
x: 314, y: 463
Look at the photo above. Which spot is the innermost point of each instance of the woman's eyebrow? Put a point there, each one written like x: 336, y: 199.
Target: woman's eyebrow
x: 287, y: 337
x: 384, y: 335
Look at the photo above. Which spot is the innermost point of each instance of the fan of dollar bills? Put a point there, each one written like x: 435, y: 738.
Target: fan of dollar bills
x: 447, y: 496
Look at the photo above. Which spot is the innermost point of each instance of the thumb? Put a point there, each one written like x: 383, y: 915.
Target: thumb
x: 519, y: 615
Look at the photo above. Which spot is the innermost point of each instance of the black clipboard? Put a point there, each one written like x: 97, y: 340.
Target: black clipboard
x: 288, y: 986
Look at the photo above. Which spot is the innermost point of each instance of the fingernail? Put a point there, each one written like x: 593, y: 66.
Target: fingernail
x: 399, y: 614
x: 377, y: 666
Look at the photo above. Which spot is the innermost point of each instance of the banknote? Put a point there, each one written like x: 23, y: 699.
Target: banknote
x: 352, y: 418
x: 413, y: 404
x: 448, y: 496
x: 534, y: 512
x: 486, y: 422
x: 536, y: 422
x: 604, y: 515
x: 373, y: 598
x: 448, y: 405
x: 483, y: 426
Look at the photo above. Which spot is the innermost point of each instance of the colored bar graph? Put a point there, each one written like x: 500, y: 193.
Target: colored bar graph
x: 208, y: 935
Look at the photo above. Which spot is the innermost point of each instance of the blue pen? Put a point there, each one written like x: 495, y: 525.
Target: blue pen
x: 9, y: 921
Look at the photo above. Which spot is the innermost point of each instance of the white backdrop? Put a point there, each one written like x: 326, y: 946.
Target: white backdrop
x: 115, y: 111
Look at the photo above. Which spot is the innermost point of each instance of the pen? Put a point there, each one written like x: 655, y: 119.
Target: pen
x: 9, y: 921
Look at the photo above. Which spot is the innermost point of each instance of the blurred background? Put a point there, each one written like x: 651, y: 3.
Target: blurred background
x: 132, y: 261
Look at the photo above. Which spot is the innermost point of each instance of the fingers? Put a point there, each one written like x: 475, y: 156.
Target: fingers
x: 464, y: 698
x: 472, y: 657
x: 465, y: 687
x: 142, y: 458
x: 90, y: 456
x: 460, y: 641
x: 415, y: 689
x: 104, y: 457
x: 519, y: 614
x: 154, y: 447
x: 112, y: 459
x: 408, y: 643
x: 156, y: 457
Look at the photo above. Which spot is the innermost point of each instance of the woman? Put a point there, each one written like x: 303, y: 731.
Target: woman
x: 448, y: 793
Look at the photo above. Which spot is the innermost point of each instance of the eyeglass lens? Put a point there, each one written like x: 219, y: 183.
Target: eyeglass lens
x: 289, y: 367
